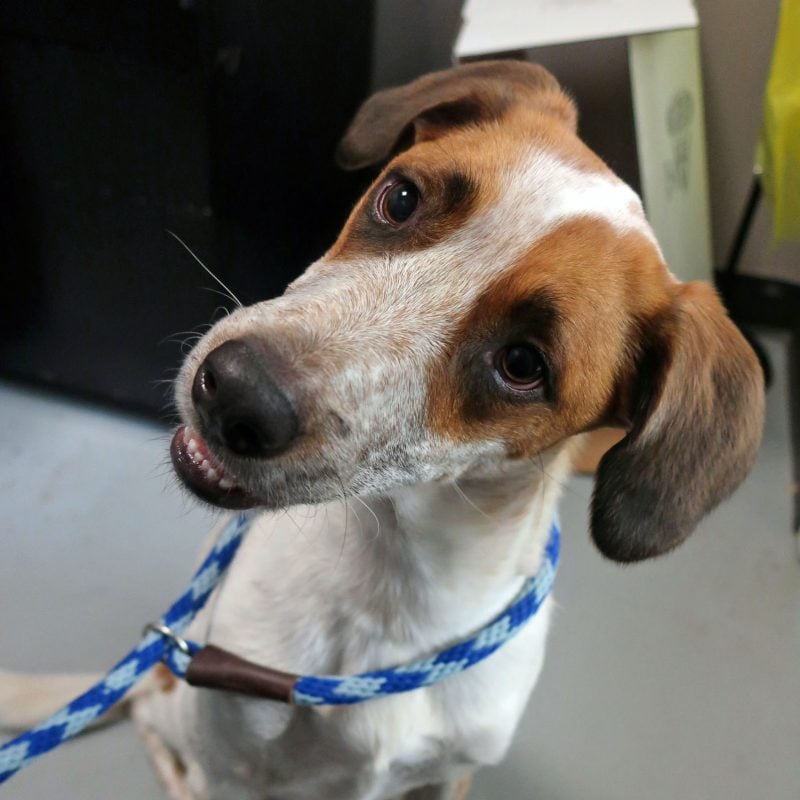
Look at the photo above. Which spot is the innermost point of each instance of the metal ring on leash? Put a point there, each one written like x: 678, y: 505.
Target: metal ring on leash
x: 167, y: 632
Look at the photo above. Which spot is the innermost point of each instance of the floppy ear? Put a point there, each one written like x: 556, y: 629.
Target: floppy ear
x: 472, y: 93
x: 697, y: 410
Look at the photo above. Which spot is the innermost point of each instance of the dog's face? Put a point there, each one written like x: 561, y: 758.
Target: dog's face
x: 496, y: 291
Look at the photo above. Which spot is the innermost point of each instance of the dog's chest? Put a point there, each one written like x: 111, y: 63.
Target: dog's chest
x: 375, y: 750
x: 372, y: 750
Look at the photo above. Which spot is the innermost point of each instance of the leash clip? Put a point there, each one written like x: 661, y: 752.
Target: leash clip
x: 168, y: 633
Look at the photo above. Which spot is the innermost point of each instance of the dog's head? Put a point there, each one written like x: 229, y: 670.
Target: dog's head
x: 496, y: 291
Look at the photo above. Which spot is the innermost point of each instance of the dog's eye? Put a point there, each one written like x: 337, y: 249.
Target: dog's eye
x: 521, y: 367
x: 397, y: 202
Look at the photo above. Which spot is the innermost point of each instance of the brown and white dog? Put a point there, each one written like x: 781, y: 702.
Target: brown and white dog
x: 496, y: 293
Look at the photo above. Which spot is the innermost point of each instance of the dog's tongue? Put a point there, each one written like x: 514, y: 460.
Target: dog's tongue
x: 202, y: 473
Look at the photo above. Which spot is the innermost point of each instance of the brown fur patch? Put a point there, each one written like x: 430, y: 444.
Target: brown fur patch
x: 451, y: 190
x: 597, y: 285
x: 165, y: 679
x: 467, y: 125
x: 459, y: 173
x: 478, y: 92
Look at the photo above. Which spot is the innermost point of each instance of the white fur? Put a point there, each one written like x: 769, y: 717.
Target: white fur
x: 409, y: 561
x: 306, y: 596
x: 343, y: 587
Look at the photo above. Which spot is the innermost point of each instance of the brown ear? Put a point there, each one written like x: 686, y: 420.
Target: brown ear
x: 697, y: 408
x: 461, y: 96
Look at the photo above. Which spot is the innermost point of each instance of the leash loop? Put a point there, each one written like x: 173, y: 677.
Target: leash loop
x: 169, y: 634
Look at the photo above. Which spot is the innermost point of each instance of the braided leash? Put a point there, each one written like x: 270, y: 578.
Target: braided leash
x: 163, y: 643
x: 154, y: 647
x: 335, y: 690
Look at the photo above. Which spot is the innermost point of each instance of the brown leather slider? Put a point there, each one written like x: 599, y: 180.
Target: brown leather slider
x: 216, y: 668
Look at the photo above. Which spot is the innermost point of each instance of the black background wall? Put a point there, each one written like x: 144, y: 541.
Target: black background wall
x: 216, y: 119
x: 118, y: 121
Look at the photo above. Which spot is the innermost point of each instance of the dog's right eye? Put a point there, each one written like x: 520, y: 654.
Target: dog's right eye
x: 397, y: 202
x: 521, y: 367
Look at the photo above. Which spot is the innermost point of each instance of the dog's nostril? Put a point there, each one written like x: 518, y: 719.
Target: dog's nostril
x: 208, y: 382
x: 243, y: 438
x: 204, y: 388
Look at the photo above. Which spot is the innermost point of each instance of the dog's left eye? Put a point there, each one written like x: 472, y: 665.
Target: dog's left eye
x: 397, y: 202
x: 521, y: 367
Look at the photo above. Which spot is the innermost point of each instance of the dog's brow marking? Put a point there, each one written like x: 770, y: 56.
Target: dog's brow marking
x: 557, y: 191
x: 540, y: 192
x: 192, y: 254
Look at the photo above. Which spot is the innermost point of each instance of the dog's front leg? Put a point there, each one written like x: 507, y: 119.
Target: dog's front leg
x: 171, y: 772
x: 455, y: 790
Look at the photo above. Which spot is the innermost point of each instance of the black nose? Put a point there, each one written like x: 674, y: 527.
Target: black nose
x: 240, y: 404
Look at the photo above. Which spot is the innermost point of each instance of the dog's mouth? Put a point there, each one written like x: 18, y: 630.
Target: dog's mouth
x: 203, y: 474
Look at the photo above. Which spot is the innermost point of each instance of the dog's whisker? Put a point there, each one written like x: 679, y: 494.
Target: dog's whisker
x: 371, y: 511
x: 179, y: 333
x: 361, y: 527
x: 162, y: 473
x: 462, y: 494
x: 327, y: 521
x: 159, y: 437
x: 189, y: 250
x: 224, y: 309
x: 179, y: 336
x: 357, y: 517
x: 221, y: 294
x: 542, y: 488
x: 294, y: 522
x: 346, y: 519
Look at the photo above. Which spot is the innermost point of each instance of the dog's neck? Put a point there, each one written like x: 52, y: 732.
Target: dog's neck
x: 387, y: 579
x: 457, y: 552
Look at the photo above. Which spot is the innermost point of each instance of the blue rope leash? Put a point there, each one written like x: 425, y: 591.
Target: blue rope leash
x: 154, y: 647
x: 308, y: 689
x: 311, y: 690
x: 336, y: 690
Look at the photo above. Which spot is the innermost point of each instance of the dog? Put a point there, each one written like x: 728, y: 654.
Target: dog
x: 417, y: 396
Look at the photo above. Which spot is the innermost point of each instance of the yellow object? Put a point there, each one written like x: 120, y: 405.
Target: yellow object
x: 779, y: 146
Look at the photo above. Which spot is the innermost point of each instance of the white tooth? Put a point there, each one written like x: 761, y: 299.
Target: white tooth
x: 205, y: 465
x: 212, y: 474
x: 192, y: 446
x: 186, y: 435
x: 224, y: 483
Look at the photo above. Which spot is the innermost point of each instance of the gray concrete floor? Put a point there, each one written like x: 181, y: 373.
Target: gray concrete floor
x: 678, y: 678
